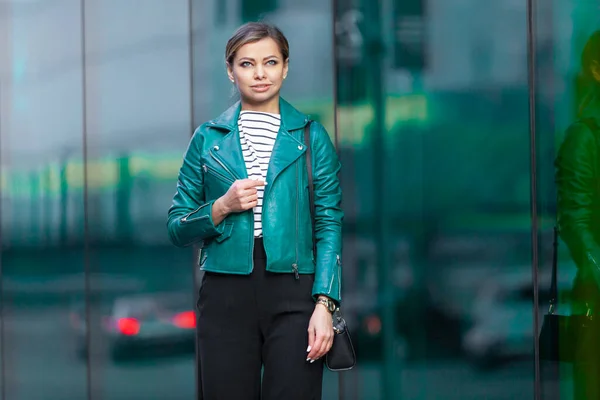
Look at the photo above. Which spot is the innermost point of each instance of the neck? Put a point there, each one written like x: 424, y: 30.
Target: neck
x: 269, y: 106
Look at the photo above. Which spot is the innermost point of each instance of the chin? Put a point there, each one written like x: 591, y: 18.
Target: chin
x: 260, y: 98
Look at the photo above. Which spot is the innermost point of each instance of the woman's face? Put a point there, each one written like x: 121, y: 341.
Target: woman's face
x: 258, y: 70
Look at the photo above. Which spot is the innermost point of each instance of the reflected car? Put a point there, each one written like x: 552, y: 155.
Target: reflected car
x: 135, y: 325
x: 422, y: 330
x: 502, y: 318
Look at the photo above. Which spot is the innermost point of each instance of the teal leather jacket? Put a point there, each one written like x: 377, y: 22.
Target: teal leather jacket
x: 578, y: 185
x: 214, y: 160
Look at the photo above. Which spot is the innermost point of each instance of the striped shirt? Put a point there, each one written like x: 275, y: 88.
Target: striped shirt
x: 258, y: 131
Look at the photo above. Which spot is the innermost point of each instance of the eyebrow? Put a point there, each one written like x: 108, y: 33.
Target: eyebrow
x: 252, y: 59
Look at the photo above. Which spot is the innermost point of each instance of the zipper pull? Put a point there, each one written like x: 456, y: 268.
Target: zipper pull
x: 295, y: 269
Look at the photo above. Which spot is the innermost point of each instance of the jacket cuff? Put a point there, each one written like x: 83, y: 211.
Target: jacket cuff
x: 199, y: 224
x: 328, y: 280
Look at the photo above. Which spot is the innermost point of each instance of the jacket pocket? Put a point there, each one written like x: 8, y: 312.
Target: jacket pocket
x: 226, y: 233
x: 202, y: 258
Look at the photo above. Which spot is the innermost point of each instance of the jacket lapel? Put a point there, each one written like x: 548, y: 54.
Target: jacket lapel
x: 229, y: 152
x: 286, y: 150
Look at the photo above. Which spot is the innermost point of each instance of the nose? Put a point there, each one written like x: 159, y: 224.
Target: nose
x: 259, y: 72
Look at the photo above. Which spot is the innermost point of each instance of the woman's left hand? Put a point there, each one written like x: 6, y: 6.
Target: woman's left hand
x: 320, y: 333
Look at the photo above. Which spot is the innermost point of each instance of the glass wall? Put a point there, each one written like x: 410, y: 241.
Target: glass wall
x: 96, y: 112
x: 41, y: 117
x: 449, y: 117
x: 434, y: 138
x: 567, y: 198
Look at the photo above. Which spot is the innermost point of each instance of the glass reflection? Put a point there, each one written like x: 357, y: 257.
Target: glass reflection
x: 438, y: 223
x: 141, y: 299
x: 41, y: 198
x: 577, y: 187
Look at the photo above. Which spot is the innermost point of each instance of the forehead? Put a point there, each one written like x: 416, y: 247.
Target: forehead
x: 257, y: 50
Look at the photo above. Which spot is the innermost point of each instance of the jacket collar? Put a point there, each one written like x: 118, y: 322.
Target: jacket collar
x: 291, y: 118
x: 589, y: 107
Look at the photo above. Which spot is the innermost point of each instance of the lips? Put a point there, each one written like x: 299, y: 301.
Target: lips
x: 260, y: 88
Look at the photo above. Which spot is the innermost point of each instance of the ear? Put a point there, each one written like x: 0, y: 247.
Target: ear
x: 595, y: 69
x: 286, y: 65
x: 230, y: 72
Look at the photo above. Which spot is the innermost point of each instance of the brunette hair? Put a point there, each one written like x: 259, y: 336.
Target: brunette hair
x: 591, y: 53
x: 253, y: 32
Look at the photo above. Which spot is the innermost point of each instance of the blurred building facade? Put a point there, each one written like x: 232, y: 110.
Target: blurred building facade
x: 428, y: 102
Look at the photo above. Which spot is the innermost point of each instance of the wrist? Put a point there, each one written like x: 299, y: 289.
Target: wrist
x: 327, y: 303
x: 220, y: 207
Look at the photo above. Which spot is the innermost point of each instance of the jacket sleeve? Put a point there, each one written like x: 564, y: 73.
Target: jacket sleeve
x: 190, y: 215
x: 328, y: 215
x: 577, y: 184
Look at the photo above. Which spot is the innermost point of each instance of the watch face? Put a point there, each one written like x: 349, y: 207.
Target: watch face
x: 331, y: 305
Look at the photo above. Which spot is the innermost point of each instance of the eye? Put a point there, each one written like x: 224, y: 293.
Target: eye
x: 245, y: 64
x: 272, y: 62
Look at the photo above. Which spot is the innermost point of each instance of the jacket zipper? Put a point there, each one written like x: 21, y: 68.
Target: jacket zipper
x: 217, y: 174
x: 221, y: 164
x: 295, y: 265
x: 339, y: 266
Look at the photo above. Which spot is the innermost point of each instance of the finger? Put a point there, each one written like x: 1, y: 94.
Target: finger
x: 252, y: 183
x: 243, y: 192
x: 248, y: 199
x: 315, y: 351
x: 322, y: 348
x: 248, y: 202
x: 247, y: 206
x: 327, y: 341
x: 311, y: 340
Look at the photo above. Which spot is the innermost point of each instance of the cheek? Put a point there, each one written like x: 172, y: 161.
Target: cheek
x: 276, y: 76
x: 243, y: 77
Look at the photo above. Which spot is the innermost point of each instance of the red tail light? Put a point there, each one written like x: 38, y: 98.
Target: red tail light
x: 185, y: 320
x: 128, y: 326
x: 373, y: 325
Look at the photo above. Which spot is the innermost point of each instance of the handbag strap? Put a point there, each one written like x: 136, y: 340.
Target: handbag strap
x: 553, y: 283
x: 311, y: 194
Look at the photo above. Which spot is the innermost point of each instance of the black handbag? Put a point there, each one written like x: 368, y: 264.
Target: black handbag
x: 563, y: 336
x: 341, y: 356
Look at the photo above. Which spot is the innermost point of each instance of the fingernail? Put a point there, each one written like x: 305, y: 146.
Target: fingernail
x: 312, y: 361
x: 308, y: 359
x: 308, y: 349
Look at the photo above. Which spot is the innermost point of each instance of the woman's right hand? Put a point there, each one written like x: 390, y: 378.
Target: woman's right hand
x: 241, y: 196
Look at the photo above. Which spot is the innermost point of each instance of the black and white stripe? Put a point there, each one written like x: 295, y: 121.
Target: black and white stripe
x: 258, y: 131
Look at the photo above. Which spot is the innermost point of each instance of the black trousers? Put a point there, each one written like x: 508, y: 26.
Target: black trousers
x: 253, y: 325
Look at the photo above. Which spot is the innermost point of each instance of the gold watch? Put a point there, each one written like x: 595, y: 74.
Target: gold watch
x: 328, y: 303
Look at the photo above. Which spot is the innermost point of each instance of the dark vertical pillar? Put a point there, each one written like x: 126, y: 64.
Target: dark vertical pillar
x: 86, y: 246
x: 531, y: 47
x: 193, y: 123
x: 2, y: 363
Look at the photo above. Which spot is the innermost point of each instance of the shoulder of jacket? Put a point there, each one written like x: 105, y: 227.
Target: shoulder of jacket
x: 317, y: 128
x: 582, y: 129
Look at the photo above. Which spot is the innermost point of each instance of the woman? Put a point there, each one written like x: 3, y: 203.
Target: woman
x: 266, y: 300
x: 578, y: 184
